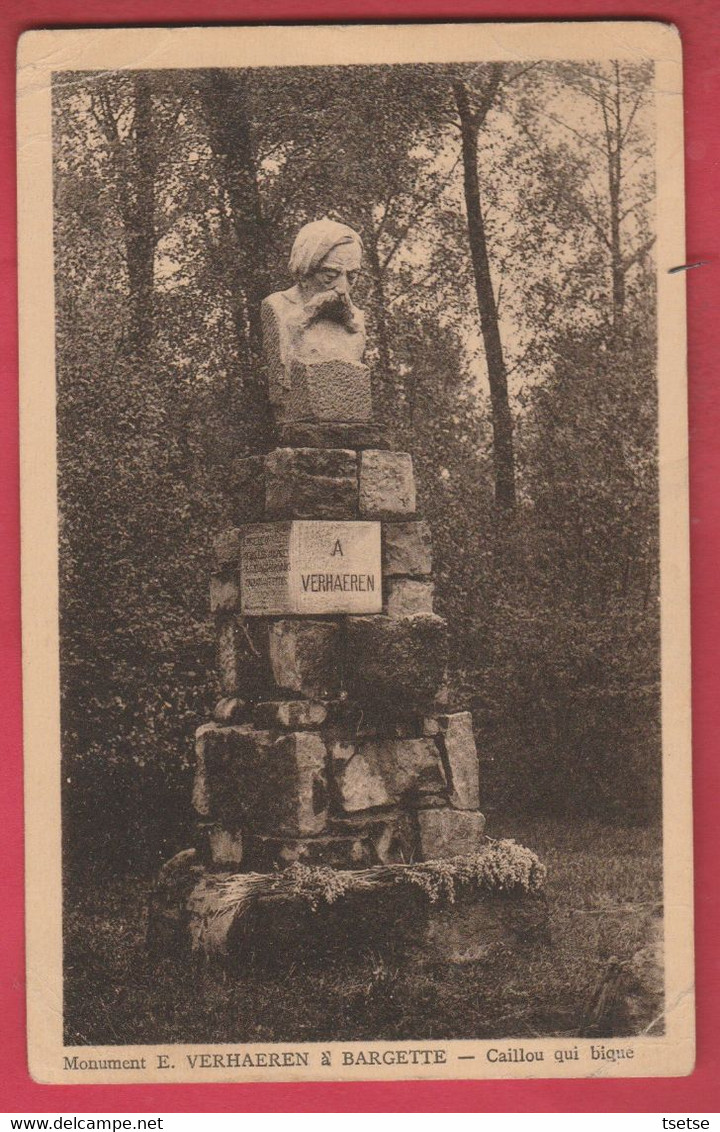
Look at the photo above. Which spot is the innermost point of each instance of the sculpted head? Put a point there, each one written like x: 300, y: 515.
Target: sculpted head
x: 315, y: 321
x: 325, y: 260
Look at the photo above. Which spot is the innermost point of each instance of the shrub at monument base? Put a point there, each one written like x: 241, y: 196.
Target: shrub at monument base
x: 452, y: 909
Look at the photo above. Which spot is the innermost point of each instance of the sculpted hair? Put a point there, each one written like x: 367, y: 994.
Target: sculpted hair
x: 314, y: 241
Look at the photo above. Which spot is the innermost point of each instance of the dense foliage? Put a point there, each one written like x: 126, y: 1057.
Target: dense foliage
x: 177, y: 195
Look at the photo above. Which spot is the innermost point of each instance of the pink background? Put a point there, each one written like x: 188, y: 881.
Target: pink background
x: 699, y: 25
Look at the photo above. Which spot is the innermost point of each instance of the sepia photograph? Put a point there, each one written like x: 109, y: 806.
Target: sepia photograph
x: 364, y: 657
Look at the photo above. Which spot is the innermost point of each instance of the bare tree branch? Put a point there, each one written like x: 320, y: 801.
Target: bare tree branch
x: 575, y: 202
x: 518, y: 74
x: 634, y: 207
x: 566, y: 126
x: 638, y: 254
x: 106, y: 118
x: 415, y: 215
x: 638, y: 103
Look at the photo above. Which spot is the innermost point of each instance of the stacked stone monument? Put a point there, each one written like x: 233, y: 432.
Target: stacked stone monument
x: 333, y: 743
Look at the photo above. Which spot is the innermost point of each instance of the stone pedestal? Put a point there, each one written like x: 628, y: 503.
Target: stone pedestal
x: 333, y: 744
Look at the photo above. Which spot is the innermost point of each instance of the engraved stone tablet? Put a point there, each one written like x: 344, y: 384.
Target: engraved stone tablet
x: 311, y: 566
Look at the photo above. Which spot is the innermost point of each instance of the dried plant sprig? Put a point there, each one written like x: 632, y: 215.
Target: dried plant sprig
x: 500, y: 867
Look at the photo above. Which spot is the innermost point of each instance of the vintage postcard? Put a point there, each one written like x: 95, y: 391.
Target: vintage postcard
x: 355, y: 552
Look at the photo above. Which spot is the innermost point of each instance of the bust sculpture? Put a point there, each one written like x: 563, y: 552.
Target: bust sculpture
x: 314, y: 335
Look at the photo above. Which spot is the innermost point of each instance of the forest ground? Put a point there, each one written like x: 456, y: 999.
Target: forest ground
x: 605, y: 893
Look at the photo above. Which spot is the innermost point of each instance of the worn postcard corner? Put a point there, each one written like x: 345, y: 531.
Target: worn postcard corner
x: 355, y: 556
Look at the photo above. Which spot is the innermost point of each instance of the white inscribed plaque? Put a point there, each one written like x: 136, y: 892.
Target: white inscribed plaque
x: 311, y: 566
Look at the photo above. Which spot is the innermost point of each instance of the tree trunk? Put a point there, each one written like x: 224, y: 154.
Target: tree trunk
x: 225, y: 100
x: 614, y: 150
x: 502, y: 425
x: 380, y: 299
x: 138, y: 210
x: 385, y: 389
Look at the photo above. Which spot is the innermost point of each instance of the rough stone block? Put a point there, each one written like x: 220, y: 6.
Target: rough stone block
x: 351, y: 851
x: 449, y: 833
x: 247, y: 779
x: 408, y: 596
x: 225, y: 847
x: 230, y: 710
x: 226, y: 548
x: 311, y: 483
x: 356, y: 776
x: 231, y: 773
x: 248, y: 488
x: 407, y: 549
x: 390, y: 658
x: 294, y: 796
x: 201, y: 790
x: 387, y: 484
x: 333, y: 434
x: 391, y: 835
x: 242, y: 657
x: 332, y: 390
x: 456, y: 742
x: 385, y: 773
x: 167, y: 923
x: 228, y: 660
x: 224, y: 594
x: 295, y: 715
x: 304, y: 657
x: 285, y: 931
x: 478, y: 925
x: 431, y: 726
x: 182, y: 869
x: 391, y: 920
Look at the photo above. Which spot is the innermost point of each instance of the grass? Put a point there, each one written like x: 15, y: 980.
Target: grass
x: 604, y: 887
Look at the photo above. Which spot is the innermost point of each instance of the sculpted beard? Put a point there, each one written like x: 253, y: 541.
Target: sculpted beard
x: 336, y: 308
